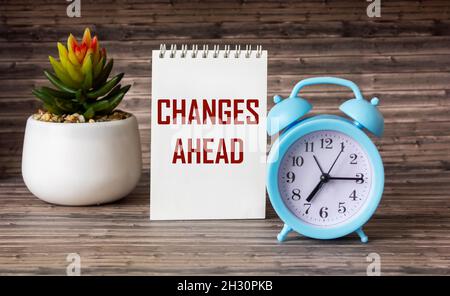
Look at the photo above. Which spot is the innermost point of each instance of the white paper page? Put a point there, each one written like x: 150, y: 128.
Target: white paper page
x: 181, y: 191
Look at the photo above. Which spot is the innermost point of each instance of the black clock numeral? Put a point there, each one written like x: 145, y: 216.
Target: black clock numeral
x: 297, y: 161
x: 353, y: 195
x: 309, y: 146
x: 353, y: 158
x: 342, y: 146
x: 295, y: 194
x: 323, y: 212
x: 308, y: 206
x: 326, y: 143
x: 360, y: 178
x: 290, y: 177
x: 342, y: 209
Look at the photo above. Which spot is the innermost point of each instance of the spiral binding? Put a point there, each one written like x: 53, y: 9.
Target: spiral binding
x: 205, y: 51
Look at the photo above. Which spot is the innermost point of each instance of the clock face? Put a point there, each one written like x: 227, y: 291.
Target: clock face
x: 325, y: 178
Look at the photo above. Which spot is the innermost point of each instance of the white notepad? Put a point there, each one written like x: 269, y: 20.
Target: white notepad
x: 208, y: 137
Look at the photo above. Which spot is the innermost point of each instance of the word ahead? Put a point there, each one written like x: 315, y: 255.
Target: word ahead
x: 209, y: 151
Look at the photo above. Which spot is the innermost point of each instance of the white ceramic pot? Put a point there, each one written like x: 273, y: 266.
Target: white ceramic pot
x: 81, y: 163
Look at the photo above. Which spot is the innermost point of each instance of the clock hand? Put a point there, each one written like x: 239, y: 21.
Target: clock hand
x: 318, y: 164
x: 314, y: 191
x: 344, y: 178
x: 335, y: 161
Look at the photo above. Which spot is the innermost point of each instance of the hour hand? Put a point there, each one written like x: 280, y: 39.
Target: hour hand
x: 314, y: 191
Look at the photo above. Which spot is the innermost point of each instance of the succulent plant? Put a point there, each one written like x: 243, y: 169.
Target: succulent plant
x: 81, y: 78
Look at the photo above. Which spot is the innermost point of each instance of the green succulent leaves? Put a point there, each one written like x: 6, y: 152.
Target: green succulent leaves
x: 81, y: 80
x: 87, y: 100
x: 105, y: 88
x: 58, y: 83
x: 107, y: 104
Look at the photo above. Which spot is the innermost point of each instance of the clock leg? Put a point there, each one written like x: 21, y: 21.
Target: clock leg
x: 362, y: 235
x: 284, y: 232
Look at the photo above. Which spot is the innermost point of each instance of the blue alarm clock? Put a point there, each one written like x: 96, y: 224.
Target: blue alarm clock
x: 325, y: 176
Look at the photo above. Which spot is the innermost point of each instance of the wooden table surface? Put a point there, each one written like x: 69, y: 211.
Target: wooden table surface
x: 402, y: 57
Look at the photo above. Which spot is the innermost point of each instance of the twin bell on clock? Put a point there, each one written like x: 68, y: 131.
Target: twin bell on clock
x: 325, y: 176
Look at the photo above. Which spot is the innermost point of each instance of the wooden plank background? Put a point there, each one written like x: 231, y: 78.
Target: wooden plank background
x: 402, y: 57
